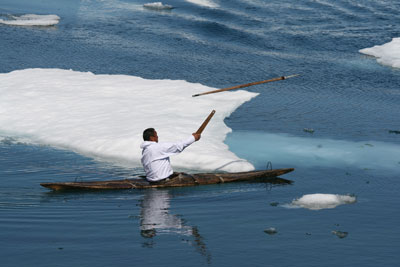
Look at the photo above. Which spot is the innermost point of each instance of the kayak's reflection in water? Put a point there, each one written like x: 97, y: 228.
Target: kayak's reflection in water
x: 155, y: 219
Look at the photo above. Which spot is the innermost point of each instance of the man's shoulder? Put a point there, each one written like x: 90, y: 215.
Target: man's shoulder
x: 147, y: 144
x: 155, y: 145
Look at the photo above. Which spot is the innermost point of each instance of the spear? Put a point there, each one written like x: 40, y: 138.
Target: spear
x: 247, y: 85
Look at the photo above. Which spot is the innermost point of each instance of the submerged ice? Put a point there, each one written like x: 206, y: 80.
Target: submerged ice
x: 386, y: 54
x: 322, y: 201
x: 103, y: 116
x: 285, y: 150
x: 31, y: 20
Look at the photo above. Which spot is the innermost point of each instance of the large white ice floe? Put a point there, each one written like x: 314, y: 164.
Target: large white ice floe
x: 386, y: 54
x: 103, y: 116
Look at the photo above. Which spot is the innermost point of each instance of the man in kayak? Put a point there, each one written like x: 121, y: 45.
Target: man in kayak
x: 155, y: 156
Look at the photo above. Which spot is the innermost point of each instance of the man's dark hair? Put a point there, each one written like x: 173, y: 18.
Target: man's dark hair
x: 148, y: 133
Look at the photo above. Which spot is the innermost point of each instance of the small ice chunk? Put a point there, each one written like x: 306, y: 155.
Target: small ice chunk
x: 340, y: 234
x: 271, y: 231
x: 322, y: 201
x: 157, y: 6
x: 308, y: 130
x: 205, y: 3
x: 31, y: 20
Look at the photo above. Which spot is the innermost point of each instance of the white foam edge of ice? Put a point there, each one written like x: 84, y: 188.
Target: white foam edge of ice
x: 386, y: 54
x: 103, y: 116
x: 320, y: 201
x: 32, y: 20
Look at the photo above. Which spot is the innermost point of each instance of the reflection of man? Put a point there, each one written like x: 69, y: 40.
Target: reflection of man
x: 155, y: 217
x: 155, y: 156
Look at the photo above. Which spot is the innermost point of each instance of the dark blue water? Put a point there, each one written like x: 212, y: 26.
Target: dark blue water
x: 341, y: 94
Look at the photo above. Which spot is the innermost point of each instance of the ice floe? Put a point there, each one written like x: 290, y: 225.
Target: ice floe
x: 158, y: 6
x: 206, y: 3
x: 31, y: 20
x: 386, y: 54
x: 321, y: 201
x: 103, y: 116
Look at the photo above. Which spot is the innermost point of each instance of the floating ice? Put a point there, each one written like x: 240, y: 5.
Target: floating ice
x: 285, y: 150
x: 32, y: 20
x: 386, y: 54
x: 206, y: 3
x: 103, y: 116
x: 309, y: 130
x: 322, y: 201
x: 157, y: 6
x: 340, y: 234
x: 270, y: 231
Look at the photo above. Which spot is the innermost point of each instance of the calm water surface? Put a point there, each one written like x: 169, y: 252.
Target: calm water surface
x: 348, y: 99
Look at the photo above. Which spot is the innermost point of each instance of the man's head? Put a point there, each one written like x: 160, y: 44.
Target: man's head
x: 150, y: 135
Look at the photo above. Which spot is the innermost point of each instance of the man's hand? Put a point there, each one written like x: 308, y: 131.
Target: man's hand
x: 196, y: 136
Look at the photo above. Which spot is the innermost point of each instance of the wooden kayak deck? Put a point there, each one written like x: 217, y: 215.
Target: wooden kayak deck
x: 180, y: 180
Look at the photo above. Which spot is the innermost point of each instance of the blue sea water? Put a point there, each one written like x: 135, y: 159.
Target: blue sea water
x: 350, y: 100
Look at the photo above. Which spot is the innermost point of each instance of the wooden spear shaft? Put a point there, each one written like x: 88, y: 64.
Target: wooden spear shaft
x: 200, y: 130
x: 246, y: 85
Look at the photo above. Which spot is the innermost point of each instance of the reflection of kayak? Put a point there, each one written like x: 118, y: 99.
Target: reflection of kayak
x: 181, y: 179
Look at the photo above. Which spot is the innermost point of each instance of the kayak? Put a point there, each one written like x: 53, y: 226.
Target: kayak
x: 177, y: 180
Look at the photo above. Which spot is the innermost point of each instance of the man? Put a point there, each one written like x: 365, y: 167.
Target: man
x: 155, y: 156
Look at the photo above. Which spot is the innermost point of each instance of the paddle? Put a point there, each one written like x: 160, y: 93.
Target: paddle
x: 247, y: 85
x: 201, y: 129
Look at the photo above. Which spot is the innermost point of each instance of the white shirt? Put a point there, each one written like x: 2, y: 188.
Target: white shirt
x: 155, y: 157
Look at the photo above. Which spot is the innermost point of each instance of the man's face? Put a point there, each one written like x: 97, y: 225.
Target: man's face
x: 154, y: 138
